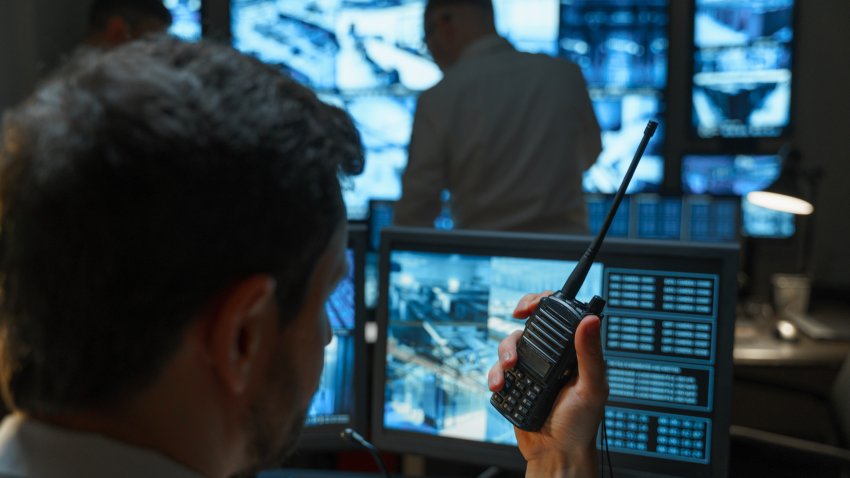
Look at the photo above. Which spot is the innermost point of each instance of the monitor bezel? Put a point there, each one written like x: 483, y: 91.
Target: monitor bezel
x: 327, y: 437
x: 749, y: 143
x: 546, y: 246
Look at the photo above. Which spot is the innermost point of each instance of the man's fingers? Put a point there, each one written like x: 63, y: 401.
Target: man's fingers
x: 528, y: 303
x: 507, y: 350
x: 591, y: 366
x: 496, y: 377
x: 507, y: 359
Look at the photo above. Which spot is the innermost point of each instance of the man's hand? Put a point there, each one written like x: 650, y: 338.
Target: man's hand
x: 565, y: 446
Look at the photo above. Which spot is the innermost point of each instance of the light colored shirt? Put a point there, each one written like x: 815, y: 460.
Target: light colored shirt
x: 32, y: 449
x: 509, y: 134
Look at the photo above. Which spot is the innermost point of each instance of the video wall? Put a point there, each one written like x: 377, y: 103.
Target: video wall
x: 369, y: 58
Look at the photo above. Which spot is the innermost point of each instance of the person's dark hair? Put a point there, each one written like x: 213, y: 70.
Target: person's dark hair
x: 133, y: 11
x: 136, y: 187
x: 486, y: 5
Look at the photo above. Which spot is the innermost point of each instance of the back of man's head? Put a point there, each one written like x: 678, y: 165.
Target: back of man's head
x: 486, y: 6
x: 136, y: 187
x: 112, y: 22
x: 450, y: 26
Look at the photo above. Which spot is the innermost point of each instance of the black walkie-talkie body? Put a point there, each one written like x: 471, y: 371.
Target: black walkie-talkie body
x: 547, y: 360
x: 546, y: 352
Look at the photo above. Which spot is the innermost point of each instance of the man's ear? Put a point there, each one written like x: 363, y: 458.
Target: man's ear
x: 238, y: 326
x: 117, y: 30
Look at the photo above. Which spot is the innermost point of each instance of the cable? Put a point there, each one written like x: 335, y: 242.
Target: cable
x: 348, y: 435
x: 606, y: 448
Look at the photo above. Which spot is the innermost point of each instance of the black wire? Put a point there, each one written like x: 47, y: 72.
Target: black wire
x: 607, y: 449
x: 602, y: 447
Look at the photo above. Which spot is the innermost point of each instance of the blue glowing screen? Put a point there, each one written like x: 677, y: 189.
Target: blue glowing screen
x: 185, y: 18
x: 621, y: 47
x: 447, y: 315
x: 738, y: 175
x: 368, y: 57
x: 334, y: 400
x: 742, y: 67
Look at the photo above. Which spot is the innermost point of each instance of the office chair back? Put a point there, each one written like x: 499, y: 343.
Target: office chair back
x: 841, y: 402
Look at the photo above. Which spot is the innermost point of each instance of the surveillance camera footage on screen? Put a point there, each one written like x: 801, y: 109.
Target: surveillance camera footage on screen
x: 737, y: 175
x: 447, y: 315
x: 333, y: 403
x: 369, y: 57
x: 621, y: 47
x: 742, y: 68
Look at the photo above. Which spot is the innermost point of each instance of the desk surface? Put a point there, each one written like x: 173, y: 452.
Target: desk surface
x: 756, y: 343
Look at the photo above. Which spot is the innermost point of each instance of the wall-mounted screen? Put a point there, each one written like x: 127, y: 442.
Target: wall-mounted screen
x: 369, y: 58
x: 742, y: 68
x: 621, y: 47
x: 739, y: 174
x: 185, y: 18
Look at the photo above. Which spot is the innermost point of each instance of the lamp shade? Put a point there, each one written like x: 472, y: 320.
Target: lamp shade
x: 791, y: 192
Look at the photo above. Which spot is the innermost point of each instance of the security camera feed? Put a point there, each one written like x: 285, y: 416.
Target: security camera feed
x: 447, y: 315
x: 333, y: 403
x: 185, y: 18
x: 766, y: 223
x: 738, y: 175
x: 448, y: 312
x: 742, y: 68
x: 368, y: 57
x: 621, y: 47
x: 729, y: 174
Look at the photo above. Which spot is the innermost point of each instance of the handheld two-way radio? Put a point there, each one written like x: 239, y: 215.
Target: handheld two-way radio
x: 546, y: 352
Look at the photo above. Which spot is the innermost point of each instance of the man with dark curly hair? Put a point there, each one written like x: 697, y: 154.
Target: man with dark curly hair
x: 171, y: 226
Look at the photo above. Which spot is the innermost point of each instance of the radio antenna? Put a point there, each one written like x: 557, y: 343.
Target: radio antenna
x: 576, y: 279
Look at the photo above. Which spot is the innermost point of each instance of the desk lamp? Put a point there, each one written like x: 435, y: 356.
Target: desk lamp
x: 793, y: 190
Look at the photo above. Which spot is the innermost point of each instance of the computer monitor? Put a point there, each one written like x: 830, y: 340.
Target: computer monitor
x: 739, y: 174
x: 742, y: 68
x: 446, y: 303
x: 765, y: 223
x: 597, y: 210
x: 185, y: 18
x: 658, y: 217
x: 697, y: 218
x: 340, y: 401
x: 711, y: 218
x: 621, y: 47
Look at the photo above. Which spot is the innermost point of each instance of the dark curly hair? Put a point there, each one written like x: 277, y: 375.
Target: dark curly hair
x: 136, y: 186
